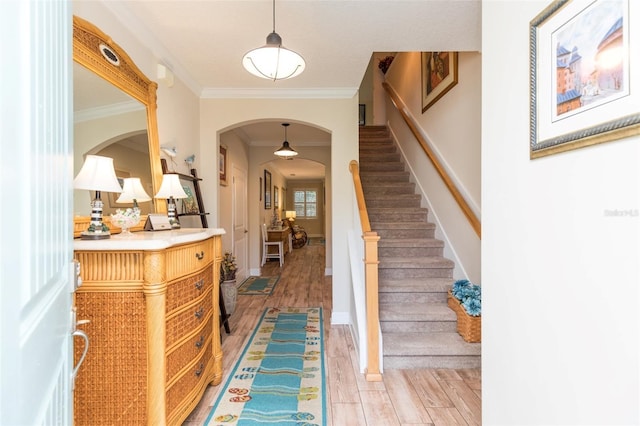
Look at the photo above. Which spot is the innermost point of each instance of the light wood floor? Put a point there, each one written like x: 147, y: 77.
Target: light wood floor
x: 415, y: 397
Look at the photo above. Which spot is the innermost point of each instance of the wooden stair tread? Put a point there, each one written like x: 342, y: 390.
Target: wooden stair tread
x: 416, y: 312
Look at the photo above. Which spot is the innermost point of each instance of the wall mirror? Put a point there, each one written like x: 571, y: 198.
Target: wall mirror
x: 114, y: 116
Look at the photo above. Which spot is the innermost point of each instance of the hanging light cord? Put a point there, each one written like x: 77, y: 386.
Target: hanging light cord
x: 274, y: 16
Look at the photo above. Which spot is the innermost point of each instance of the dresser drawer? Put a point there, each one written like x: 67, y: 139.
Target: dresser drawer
x: 183, y: 291
x: 188, y: 258
x: 194, y: 378
x: 189, y: 318
x: 188, y: 351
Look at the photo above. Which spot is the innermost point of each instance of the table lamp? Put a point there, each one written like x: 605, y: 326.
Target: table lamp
x: 171, y: 189
x: 132, y: 192
x: 97, y: 174
x: 290, y: 215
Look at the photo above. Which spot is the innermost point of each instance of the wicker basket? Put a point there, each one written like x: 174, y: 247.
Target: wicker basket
x: 468, y: 327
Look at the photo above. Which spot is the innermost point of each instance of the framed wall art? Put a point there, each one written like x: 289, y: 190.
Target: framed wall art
x: 276, y: 197
x: 439, y: 75
x: 583, y: 75
x: 267, y: 190
x: 222, y: 165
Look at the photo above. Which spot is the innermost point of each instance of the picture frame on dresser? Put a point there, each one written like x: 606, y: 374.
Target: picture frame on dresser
x: 583, y: 77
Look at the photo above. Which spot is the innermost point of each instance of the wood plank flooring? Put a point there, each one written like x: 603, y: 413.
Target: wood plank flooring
x: 404, y: 397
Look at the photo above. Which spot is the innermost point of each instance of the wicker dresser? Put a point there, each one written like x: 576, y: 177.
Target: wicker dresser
x: 152, y: 305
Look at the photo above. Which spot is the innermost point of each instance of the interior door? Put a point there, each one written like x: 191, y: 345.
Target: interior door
x: 240, y: 226
x: 36, y: 233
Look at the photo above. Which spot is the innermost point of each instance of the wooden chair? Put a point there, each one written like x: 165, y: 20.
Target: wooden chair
x: 265, y: 247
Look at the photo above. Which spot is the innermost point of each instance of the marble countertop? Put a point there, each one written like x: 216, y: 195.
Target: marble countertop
x: 148, y: 240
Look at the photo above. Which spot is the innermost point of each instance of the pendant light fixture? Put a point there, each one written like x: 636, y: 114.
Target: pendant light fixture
x: 285, y: 150
x: 273, y: 61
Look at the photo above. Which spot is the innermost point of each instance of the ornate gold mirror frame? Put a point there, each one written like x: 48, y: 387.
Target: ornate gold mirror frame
x: 89, y: 43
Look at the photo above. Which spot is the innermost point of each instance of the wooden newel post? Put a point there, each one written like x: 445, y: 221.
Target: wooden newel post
x: 372, y: 373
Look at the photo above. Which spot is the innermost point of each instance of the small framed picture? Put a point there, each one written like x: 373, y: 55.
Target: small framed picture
x: 276, y: 197
x: 267, y: 190
x: 439, y: 75
x: 222, y: 165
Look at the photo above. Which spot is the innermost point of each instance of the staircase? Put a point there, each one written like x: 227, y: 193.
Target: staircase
x: 418, y: 328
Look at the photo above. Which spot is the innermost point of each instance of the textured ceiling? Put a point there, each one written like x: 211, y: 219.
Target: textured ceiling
x: 203, y: 41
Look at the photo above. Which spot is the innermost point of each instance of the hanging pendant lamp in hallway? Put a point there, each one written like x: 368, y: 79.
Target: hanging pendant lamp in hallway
x: 273, y: 61
x: 285, y: 150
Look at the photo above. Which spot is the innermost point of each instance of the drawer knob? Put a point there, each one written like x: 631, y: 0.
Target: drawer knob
x: 200, y: 369
x: 199, y: 313
x: 199, y: 284
x: 200, y: 255
x: 200, y: 341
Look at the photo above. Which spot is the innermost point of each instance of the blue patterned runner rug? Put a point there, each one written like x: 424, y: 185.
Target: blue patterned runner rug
x: 279, y: 378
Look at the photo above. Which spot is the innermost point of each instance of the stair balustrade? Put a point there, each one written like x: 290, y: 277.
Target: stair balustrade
x: 371, y: 238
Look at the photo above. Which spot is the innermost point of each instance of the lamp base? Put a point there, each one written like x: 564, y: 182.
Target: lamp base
x: 86, y: 235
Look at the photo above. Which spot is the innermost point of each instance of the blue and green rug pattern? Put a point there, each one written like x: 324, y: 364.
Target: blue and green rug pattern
x: 279, y: 378
x: 258, y: 285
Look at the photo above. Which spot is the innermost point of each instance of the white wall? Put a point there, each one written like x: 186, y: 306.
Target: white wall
x: 560, y: 277
x: 238, y: 155
x: 337, y: 116
x: 452, y: 126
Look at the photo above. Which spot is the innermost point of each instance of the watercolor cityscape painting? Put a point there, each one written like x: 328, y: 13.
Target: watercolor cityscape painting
x: 591, y: 63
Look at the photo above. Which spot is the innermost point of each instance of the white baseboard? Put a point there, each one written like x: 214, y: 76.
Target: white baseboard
x: 340, y: 318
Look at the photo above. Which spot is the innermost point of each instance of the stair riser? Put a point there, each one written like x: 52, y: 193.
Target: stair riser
x: 388, y: 202
x: 399, y: 216
x: 364, y: 153
x: 409, y: 251
x: 405, y: 233
x: 375, y: 177
x: 404, y: 298
x: 418, y: 326
x: 413, y: 362
x: 382, y: 167
x: 379, y: 157
x: 403, y: 273
x: 377, y: 191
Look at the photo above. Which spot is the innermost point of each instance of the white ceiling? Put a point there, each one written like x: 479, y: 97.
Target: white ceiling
x: 203, y: 41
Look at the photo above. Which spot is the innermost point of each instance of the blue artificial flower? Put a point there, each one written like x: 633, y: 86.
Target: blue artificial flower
x: 472, y: 306
x: 458, y: 288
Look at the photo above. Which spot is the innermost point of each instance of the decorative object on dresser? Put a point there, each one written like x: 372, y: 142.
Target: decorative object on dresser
x: 193, y: 182
x: 97, y: 174
x: 153, y: 326
x: 170, y: 190
x: 132, y: 192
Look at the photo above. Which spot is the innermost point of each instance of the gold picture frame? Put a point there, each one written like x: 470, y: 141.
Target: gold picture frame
x: 439, y: 75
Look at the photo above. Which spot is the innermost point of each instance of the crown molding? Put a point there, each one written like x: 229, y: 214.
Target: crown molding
x: 107, y: 111
x: 147, y: 38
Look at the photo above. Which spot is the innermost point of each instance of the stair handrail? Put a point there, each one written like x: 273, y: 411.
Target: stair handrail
x: 371, y: 238
x: 451, y: 186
